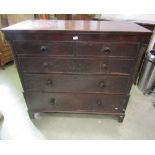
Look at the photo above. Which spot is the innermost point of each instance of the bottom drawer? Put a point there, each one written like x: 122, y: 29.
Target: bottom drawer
x: 76, y: 102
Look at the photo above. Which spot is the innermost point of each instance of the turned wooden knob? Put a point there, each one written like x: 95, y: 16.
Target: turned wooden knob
x: 99, y: 102
x: 106, y: 50
x: 101, y: 84
x: 49, y: 82
x: 43, y: 48
x: 46, y: 64
x: 104, y: 66
x: 52, y: 101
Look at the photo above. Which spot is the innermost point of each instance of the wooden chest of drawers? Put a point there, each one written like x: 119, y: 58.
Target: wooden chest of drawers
x: 77, y: 66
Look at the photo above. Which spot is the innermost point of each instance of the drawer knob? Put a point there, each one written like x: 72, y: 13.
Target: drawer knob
x: 106, y: 50
x: 45, y: 64
x: 102, y: 84
x: 79, y: 65
x: 49, y: 82
x: 99, y: 102
x: 52, y: 101
x: 43, y: 48
x: 104, y: 66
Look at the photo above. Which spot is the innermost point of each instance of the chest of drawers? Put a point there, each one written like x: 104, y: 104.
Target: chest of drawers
x: 77, y: 66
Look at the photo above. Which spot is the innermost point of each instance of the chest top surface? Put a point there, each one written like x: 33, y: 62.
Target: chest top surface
x: 78, y: 25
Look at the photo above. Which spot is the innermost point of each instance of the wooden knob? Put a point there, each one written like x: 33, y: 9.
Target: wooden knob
x: 99, y: 102
x: 43, y: 48
x: 49, y: 82
x: 104, y: 66
x: 101, y: 84
x: 45, y: 64
x: 106, y: 50
x: 52, y: 101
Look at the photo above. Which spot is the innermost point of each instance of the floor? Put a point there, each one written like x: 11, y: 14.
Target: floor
x: 138, y: 123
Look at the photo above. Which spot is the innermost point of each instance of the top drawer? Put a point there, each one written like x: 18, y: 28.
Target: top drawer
x: 59, y: 48
x: 111, y: 49
x: 75, y: 36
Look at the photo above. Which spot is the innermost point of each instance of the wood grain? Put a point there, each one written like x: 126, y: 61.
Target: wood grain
x: 78, y: 25
x: 77, y: 66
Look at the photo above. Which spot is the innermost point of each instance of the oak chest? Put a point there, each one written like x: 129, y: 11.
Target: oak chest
x: 77, y: 66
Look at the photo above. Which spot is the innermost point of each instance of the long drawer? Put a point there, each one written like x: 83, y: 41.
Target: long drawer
x: 80, y: 36
x: 76, y: 83
x: 75, y: 102
x: 72, y: 65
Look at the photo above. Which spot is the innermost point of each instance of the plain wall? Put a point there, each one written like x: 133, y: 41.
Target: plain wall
x: 146, y: 17
x: 15, y: 18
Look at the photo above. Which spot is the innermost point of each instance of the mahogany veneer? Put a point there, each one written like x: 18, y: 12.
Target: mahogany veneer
x: 77, y: 66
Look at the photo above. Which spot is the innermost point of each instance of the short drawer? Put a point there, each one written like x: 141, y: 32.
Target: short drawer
x: 75, y: 102
x: 117, y: 66
x: 66, y: 65
x: 76, y: 83
x: 111, y: 49
x: 44, y: 48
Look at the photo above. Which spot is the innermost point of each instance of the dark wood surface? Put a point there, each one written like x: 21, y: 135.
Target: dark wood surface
x: 43, y: 48
x: 76, y: 102
x: 74, y: 83
x: 83, y: 48
x: 47, y: 35
x: 77, y: 66
x: 78, y: 25
x: 110, y: 49
x: 74, y: 65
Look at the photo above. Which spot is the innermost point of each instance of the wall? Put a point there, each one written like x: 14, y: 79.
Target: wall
x: 146, y: 17
x: 14, y: 18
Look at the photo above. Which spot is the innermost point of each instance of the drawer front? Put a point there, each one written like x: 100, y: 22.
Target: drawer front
x: 110, y: 49
x: 117, y: 66
x: 57, y: 102
x: 60, y: 48
x: 76, y: 83
x: 74, y: 36
x: 50, y: 65
x: 53, y: 65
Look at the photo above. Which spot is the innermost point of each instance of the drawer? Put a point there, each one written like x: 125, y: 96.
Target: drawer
x: 111, y: 49
x: 75, y: 102
x: 117, y: 66
x: 50, y: 65
x: 75, y: 36
x: 76, y: 83
x: 43, y: 48
x: 66, y: 65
